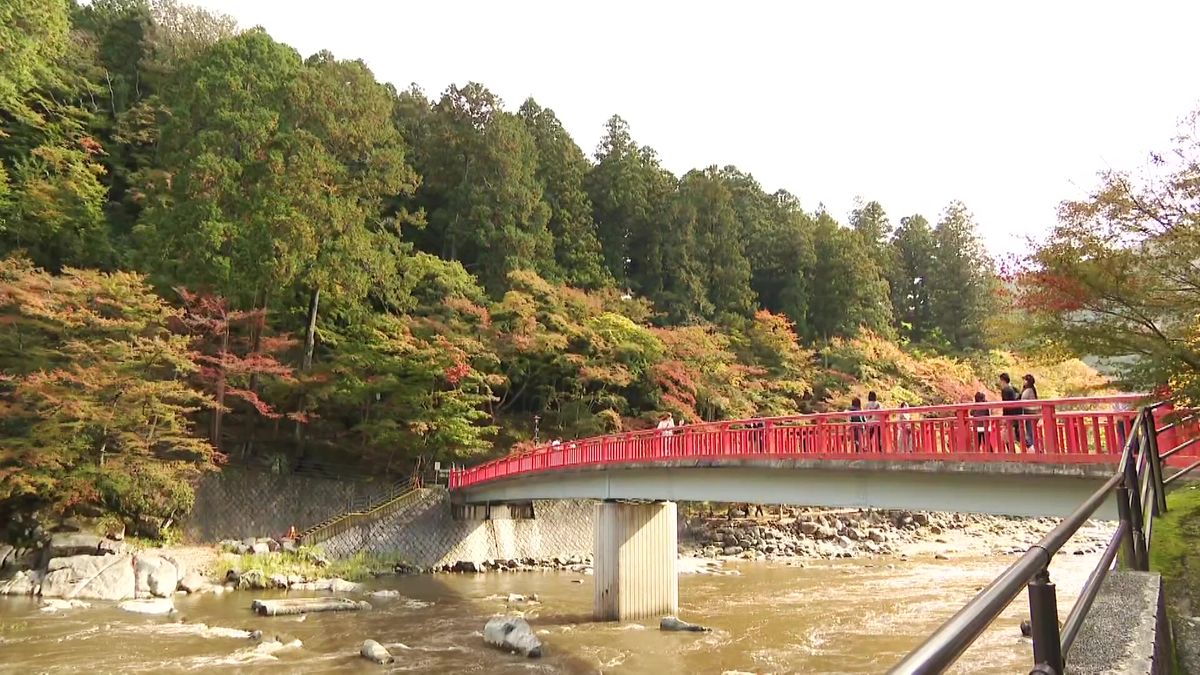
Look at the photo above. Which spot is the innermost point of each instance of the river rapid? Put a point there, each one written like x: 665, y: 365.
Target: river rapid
x: 830, y: 616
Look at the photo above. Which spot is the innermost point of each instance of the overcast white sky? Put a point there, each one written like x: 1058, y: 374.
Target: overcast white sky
x: 1010, y: 107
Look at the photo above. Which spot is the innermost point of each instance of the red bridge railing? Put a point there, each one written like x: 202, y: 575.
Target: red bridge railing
x: 1078, y: 430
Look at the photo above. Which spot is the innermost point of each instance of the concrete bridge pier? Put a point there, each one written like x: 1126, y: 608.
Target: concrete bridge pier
x: 635, y: 560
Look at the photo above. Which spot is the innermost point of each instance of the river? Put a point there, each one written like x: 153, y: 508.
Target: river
x: 834, y: 616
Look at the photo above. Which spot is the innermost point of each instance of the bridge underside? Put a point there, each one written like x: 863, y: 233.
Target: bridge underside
x: 1003, y: 488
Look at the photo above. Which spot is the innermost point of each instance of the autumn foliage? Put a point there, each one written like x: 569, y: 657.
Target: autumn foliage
x: 96, y: 408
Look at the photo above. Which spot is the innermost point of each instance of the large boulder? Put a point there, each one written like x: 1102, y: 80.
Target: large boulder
x: 512, y: 634
x: 64, y: 544
x: 90, y: 576
x: 373, y: 651
x: 155, y: 576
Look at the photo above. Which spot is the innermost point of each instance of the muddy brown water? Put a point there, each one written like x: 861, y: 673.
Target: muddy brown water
x: 837, y: 616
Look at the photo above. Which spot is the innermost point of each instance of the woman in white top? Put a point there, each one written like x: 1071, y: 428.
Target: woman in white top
x: 1029, y: 393
x: 905, y: 432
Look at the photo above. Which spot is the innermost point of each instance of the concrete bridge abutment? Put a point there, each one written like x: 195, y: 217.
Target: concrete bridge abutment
x: 635, y: 560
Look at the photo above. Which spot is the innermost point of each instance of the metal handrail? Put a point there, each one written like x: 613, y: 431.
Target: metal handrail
x: 1140, y: 492
x: 401, y: 493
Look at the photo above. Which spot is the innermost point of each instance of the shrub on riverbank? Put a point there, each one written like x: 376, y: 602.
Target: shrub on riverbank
x: 309, y: 564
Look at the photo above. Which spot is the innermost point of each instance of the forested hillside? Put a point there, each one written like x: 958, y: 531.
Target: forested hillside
x: 218, y: 247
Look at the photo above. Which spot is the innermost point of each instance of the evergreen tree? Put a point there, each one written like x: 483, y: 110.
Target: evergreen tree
x: 962, y: 287
x: 719, y: 234
x: 871, y: 224
x: 51, y: 195
x: 630, y: 195
x: 561, y: 169
x: 480, y: 188
x: 848, y: 291
x: 912, y: 252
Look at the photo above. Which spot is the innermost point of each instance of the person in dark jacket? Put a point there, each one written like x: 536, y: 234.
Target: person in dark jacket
x: 981, y: 425
x: 1009, y: 393
x: 856, y: 420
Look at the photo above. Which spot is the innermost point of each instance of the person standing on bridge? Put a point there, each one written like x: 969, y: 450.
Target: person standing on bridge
x: 1029, y: 393
x: 665, y: 429
x: 874, y: 423
x: 981, y: 424
x: 856, y: 422
x: 1008, y: 393
x: 906, y: 444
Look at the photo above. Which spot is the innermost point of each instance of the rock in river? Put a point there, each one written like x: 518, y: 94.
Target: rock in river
x: 158, y: 606
x: 373, y: 651
x: 512, y: 634
x: 155, y: 576
x: 671, y: 623
x: 90, y: 576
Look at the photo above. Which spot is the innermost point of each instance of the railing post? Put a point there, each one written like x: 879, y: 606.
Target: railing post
x: 1049, y: 431
x: 962, y: 433
x: 1128, y: 559
x: 1043, y: 622
x: 1155, y: 464
x: 1135, y: 516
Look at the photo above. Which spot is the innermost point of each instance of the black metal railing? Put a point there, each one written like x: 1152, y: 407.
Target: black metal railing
x: 1139, y: 488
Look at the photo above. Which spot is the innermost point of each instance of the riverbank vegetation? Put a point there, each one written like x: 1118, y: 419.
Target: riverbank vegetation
x: 1176, y: 555
x: 215, y: 249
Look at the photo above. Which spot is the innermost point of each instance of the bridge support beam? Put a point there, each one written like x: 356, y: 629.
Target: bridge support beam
x: 635, y: 560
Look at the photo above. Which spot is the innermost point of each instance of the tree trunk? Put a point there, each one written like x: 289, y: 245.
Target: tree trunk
x: 310, y: 334
x: 215, y: 435
x: 310, y: 342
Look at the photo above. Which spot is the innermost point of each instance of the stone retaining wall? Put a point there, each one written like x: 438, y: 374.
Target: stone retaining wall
x: 239, y: 502
x: 424, y: 533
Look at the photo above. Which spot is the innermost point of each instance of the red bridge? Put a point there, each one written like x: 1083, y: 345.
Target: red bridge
x: 1089, y: 430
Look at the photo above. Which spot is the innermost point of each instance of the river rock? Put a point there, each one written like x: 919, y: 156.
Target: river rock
x: 671, y: 623
x: 373, y: 651
x: 192, y: 582
x: 512, y: 634
x: 260, y: 548
x: 254, y: 579
x: 155, y: 576
x: 58, y: 605
x: 64, y: 544
x: 385, y: 594
x: 808, y: 528
x: 22, y: 583
x: 279, y: 581
x: 343, y: 586
x: 467, y: 566
x: 155, y: 606
x: 91, y: 577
